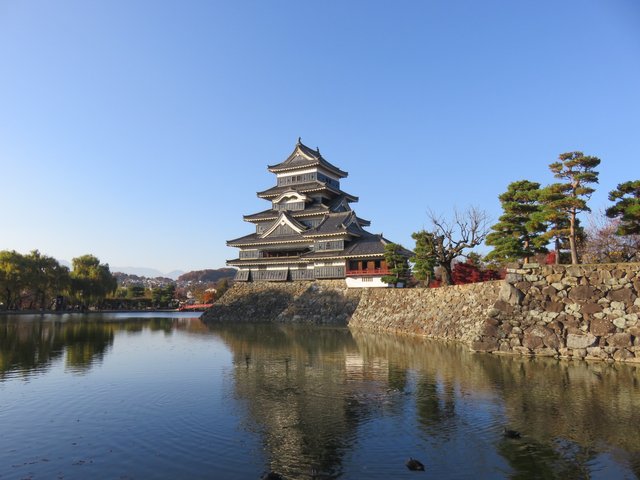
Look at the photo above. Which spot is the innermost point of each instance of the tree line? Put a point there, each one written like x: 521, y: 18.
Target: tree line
x: 37, y: 281
x: 537, y: 222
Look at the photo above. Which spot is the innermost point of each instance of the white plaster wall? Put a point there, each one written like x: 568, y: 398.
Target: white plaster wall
x: 359, y: 282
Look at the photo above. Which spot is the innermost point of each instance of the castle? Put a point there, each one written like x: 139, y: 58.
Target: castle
x: 310, y: 230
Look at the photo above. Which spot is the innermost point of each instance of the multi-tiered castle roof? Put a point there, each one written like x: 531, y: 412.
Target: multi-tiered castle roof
x: 310, y: 230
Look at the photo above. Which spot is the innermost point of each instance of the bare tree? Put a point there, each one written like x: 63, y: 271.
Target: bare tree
x: 603, y: 245
x: 467, y: 230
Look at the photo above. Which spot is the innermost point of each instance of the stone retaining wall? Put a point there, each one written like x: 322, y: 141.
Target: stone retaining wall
x: 317, y: 302
x: 582, y: 312
x: 448, y: 313
x: 577, y: 311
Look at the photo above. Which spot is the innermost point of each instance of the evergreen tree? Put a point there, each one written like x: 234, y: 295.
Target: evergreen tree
x: 518, y: 233
x: 396, y: 257
x: 627, y: 207
x: 578, y: 171
x: 424, y: 258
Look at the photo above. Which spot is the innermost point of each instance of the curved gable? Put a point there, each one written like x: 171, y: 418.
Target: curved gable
x: 284, y: 225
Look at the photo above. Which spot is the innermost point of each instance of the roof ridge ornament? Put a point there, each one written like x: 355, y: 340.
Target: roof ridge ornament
x: 299, y: 140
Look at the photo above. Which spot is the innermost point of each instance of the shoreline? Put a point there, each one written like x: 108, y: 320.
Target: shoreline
x: 88, y: 312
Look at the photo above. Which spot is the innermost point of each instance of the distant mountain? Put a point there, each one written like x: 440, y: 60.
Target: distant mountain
x: 147, y: 272
x: 174, y: 274
x: 208, y: 275
x: 138, y: 271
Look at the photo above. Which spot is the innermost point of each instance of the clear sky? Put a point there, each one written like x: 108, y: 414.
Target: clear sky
x: 140, y: 130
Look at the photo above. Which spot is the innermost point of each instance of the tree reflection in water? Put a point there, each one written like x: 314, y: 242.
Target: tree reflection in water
x: 28, y: 347
x: 357, y: 404
x: 309, y: 391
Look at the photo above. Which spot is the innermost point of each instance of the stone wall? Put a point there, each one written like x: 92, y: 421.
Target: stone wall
x: 317, y: 302
x: 448, y: 313
x: 582, y: 311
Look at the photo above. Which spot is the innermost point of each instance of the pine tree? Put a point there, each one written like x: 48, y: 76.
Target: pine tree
x: 578, y: 171
x: 396, y: 257
x: 627, y: 207
x: 518, y: 233
x: 424, y: 259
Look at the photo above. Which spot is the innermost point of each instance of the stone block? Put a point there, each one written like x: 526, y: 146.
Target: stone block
x: 620, y: 322
x: 579, y: 352
x: 577, y: 341
x: 549, y: 291
x: 555, y: 326
x: 617, y: 306
x: 635, y: 331
x: 624, y: 295
x: 622, y: 355
x: 532, y: 341
x: 552, y: 340
x: 555, y: 307
x: 619, y: 340
x: 503, y: 306
x: 601, y: 327
x: 595, y: 352
x: 575, y: 271
x: 570, y: 281
x: 590, y: 308
x: 554, y: 277
x: 581, y: 293
x: 489, y: 331
x: 513, y: 277
x: 618, y: 273
x: 508, y: 293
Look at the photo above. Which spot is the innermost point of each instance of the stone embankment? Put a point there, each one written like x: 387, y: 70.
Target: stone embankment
x: 582, y: 312
x: 449, y: 313
x: 319, y: 302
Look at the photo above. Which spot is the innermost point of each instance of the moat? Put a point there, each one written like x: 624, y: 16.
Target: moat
x: 165, y: 396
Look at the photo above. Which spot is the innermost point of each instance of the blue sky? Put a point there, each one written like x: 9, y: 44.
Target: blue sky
x: 140, y: 131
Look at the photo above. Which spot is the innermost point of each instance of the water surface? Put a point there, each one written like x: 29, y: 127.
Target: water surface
x: 164, y: 396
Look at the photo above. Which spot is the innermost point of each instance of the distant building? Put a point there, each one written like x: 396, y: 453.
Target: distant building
x: 310, y: 231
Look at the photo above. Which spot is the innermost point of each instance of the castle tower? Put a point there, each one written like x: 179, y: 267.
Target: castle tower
x: 310, y: 230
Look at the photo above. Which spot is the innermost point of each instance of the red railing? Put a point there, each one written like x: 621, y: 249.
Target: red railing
x: 368, y: 271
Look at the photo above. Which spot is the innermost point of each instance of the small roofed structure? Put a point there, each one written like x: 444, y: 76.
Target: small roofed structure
x: 310, y: 231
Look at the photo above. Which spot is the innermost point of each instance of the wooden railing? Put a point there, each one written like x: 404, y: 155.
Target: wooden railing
x: 368, y: 271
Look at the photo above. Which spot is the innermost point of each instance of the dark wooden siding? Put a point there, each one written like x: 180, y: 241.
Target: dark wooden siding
x: 269, y: 275
x: 306, y: 274
x: 337, y: 271
x: 242, y: 276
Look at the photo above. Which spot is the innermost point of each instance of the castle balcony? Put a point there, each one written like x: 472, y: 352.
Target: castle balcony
x: 367, y: 268
x: 368, y: 272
